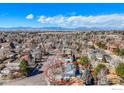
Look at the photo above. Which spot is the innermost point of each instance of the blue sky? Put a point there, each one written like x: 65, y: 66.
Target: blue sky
x: 62, y: 15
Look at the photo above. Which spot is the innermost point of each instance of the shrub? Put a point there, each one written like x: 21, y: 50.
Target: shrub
x: 98, y: 69
x: 117, y: 51
x: 120, y: 70
x: 121, y: 53
x: 101, y: 45
x: 84, y: 60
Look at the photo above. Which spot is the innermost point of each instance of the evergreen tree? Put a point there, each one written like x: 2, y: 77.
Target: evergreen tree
x: 24, y: 67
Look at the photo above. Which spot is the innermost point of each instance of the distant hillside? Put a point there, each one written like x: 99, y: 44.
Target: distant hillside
x: 56, y: 29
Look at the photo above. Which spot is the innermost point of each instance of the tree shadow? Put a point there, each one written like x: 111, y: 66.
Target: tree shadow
x: 35, y: 73
x: 35, y: 70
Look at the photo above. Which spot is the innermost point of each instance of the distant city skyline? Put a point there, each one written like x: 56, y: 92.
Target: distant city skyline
x: 62, y: 15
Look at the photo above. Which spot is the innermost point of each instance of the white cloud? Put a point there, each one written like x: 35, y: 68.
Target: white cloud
x: 112, y: 20
x: 51, y: 20
x: 30, y: 16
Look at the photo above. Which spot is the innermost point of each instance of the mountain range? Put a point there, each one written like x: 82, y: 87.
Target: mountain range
x: 56, y: 29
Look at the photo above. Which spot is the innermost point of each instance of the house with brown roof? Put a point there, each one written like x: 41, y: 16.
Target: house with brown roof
x: 112, y: 46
